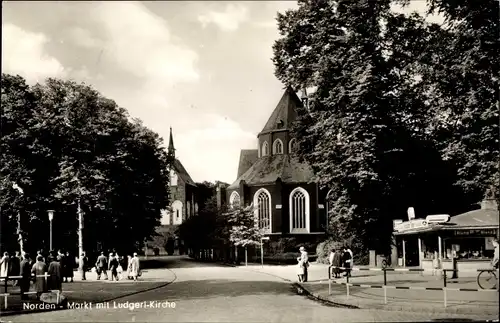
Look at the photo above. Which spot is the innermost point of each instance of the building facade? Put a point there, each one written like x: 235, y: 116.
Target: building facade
x: 287, y: 200
x: 183, y: 204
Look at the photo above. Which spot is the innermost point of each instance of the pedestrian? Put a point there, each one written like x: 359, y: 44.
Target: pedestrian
x: 113, y: 266
x: 39, y: 269
x: 300, y: 269
x: 83, y: 265
x: 135, y: 267
x: 101, y: 266
x: 25, y: 273
x: 305, y: 260
x: 54, y: 271
x: 15, y: 267
x: 122, y: 267
x: 336, y: 262
x: 69, y: 267
x: 494, y: 261
x: 129, y: 266
x: 4, y: 265
x: 346, y: 260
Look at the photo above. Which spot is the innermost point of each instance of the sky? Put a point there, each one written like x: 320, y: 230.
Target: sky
x: 202, y: 68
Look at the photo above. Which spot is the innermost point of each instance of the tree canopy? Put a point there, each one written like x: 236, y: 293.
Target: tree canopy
x: 402, y: 111
x: 64, y: 143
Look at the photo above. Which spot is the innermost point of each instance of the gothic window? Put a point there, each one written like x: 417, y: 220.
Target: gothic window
x: 277, y: 147
x: 165, y: 217
x: 234, y: 200
x: 299, y: 210
x: 292, y: 146
x: 196, y: 208
x: 188, y: 209
x: 177, y: 208
x: 262, y: 203
x: 173, y: 178
x: 265, y: 149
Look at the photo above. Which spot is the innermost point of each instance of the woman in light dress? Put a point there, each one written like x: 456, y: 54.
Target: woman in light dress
x: 300, y: 269
x: 134, y: 267
x: 4, y: 265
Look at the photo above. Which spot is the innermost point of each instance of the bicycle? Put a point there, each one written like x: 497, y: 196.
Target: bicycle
x: 487, y: 279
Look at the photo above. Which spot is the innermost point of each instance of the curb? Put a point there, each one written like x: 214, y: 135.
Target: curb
x: 21, y: 312
x: 402, y: 308
x: 387, y: 307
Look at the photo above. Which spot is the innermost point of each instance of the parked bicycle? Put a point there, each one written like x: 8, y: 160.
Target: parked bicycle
x: 487, y: 279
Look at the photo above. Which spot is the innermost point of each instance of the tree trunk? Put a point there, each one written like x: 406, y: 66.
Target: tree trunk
x: 246, y: 257
x: 20, y: 234
x: 80, y: 240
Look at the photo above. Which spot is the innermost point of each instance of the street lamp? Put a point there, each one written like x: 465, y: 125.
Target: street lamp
x: 51, y: 217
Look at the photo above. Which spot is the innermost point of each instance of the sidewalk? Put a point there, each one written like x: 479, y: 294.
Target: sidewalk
x: 91, y: 290
x: 458, y: 302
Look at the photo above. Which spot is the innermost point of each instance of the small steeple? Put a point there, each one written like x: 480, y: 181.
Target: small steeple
x: 171, y: 149
x: 304, y: 98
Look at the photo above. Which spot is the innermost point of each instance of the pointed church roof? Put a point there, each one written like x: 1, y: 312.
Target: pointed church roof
x: 284, y: 113
x: 247, y: 158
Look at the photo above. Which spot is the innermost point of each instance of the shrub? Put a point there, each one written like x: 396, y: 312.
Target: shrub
x: 361, y: 256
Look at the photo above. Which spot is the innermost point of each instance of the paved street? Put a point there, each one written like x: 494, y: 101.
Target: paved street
x: 206, y: 292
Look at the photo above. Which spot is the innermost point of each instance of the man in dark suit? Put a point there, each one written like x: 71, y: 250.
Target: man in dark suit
x: 25, y: 273
x: 102, y: 266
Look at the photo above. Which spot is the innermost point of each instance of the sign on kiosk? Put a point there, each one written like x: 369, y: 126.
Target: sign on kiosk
x: 438, y: 218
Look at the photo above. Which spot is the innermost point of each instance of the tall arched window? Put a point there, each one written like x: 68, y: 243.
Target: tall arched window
x: 188, y: 209
x: 177, y: 209
x: 277, y: 147
x: 299, y: 211
x: 173, y: 178
x: 195, y: 208
x: 234, y: 200
x: 265, y: 149
x: 263, y: 211
x: 292, y: 146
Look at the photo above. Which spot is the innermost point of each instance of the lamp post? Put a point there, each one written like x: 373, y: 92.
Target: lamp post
x: 51, y: 217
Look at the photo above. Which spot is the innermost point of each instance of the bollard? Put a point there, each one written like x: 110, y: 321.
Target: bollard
x: 444, y: 294
x: 5, y: 300
x: 6, y: 279
x: 444, y: 278
x: 329, y: 287
x: 385, y: 284
x: 347, y: 287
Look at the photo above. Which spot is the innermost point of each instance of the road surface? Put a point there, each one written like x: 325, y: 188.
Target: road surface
x: 204, y: 292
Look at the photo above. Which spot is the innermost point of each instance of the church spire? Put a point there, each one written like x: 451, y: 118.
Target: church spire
x: 171, y: 149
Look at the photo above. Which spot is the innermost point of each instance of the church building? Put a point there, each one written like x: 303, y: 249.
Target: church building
x: 183, y: 202
x: 287, y: 200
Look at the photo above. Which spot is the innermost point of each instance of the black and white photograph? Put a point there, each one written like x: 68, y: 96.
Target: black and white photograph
x: 250, y: 161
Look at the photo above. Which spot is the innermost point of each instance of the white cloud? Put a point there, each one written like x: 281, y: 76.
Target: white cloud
x: 23, y: 54
x: 141, y: 44
x: 227, y: 20
x: 83, y: 37
x: 214, y: 149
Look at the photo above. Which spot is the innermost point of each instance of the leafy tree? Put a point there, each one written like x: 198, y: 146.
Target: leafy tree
x: 370, y: 131
x: 71, y: 146
x: 244, y: 229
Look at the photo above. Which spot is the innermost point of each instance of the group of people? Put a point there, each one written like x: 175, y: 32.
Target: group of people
x: 118, y: 267
x: 341, y: 257
x: 45, y: 277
